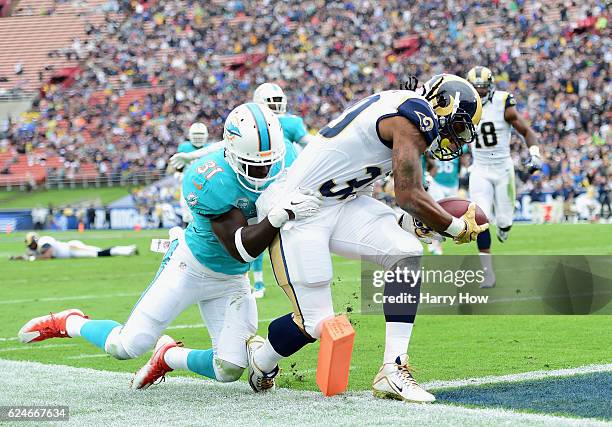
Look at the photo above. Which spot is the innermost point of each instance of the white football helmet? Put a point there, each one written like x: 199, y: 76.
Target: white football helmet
x: 271, y: 95
x: 198, y: 134
x: 253, y: 138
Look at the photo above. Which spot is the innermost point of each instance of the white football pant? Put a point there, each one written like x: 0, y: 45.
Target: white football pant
x: 227, y: 307
x: 362, y: 228
x: 492, y: 188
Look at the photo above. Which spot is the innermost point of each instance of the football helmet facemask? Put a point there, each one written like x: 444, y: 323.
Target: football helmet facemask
x: 272, y: 95
x: 198, y: 134
x: 459, y: 108
x: 482, y: 78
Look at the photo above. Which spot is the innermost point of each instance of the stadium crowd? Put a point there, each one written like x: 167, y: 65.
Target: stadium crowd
x: 326, y: 54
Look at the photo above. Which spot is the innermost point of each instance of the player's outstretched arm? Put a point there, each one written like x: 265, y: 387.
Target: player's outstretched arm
x: 245, y: 242
x: 179, y: 160
x: 517, y: 122
x: 512, y: 116
x: 408, y: 145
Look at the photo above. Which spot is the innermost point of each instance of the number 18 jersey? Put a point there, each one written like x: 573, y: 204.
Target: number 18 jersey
x: 492, y: 144
x: 350, y: 153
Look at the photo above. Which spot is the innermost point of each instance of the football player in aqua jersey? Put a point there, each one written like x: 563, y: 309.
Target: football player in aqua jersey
x: 444, y: 183
x: 198, y: 137
x: 387, y: 131
x: 295, y: 132
x: 206, y: 265
x: 492, y: 171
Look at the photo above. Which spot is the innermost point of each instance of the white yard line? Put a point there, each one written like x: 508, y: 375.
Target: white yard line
x: 36, y: 347
x: 103, y: 398
x: 533, y: 375
x: 72, y: 298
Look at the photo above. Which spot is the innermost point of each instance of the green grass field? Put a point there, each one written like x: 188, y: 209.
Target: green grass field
x: 442, y: 347
x: 59, y: 197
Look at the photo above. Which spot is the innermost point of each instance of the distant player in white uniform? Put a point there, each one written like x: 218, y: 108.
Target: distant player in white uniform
x: 492, y: 173
x: 387, y: 131
x: 47, y: 247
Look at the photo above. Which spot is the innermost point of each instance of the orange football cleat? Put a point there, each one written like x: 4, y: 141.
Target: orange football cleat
x: 50, y: 326
x: 156, y: 367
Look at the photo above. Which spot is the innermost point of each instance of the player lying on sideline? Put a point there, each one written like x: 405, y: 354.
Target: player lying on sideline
x: 46, y: 247
x: 206, y: 265
x: 492, y: 172
x: 387, y: 131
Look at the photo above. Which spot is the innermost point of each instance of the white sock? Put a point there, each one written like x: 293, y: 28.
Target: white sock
x: 74, y: 324
x: 266, y: 358
x: 121, y: 250
x: 487, y: 265
x: 176, y: 357
x: 258, y: 276
x: 396, y: 341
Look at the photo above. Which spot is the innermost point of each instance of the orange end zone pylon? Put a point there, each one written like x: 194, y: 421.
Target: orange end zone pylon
x: 336, y: 348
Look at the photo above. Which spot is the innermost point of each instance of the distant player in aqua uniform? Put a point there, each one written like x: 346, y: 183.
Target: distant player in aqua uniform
x: 444, y: 183
x: 295, y: 133
x: 206, y: 265
x: 198, y: 137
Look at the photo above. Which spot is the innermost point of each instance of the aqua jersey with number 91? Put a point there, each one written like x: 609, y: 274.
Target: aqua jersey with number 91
x: 211, y: 188
x: 349, y: 153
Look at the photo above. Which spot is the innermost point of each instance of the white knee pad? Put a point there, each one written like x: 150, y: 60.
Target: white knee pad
x: 226, y: 372
x: 125, y: 346
x: 113, y: 345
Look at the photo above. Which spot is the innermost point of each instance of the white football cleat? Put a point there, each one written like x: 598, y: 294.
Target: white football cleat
x: 50, y: 326
x: 395, y: 381
x: 156, y: 367
x: 502, y: 235
x: 259, y: 380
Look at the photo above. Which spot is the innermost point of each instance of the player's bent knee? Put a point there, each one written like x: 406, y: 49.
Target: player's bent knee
x: 124, y: 347
x: 227, y: 372
x: 114, y: 347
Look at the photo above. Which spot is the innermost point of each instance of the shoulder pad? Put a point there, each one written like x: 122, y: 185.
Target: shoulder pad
x: 209, y: 189
x: 509, y: 100
x: 419, y: 112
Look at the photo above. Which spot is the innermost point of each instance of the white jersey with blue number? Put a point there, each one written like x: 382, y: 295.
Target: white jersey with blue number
x: 492, y: 144
x: 349, y: 153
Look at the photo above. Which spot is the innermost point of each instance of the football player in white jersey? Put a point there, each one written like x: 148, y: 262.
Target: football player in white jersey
x: 387, y: 131
x: 46, y: 247
x: 492, y: 173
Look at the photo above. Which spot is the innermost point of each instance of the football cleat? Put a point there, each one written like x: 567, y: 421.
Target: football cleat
x: 502, y: 235
x: 259, y: 289
x: 156, y: 368
x: 395, y: 381
x: 52, y: 325
x: 259, y: 380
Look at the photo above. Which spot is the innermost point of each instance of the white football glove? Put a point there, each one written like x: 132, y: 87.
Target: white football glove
x: 303, y: 203
x: 180, y: 160
x: 418, y: 229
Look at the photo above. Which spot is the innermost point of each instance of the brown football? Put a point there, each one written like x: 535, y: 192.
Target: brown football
x: 456, y: 206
